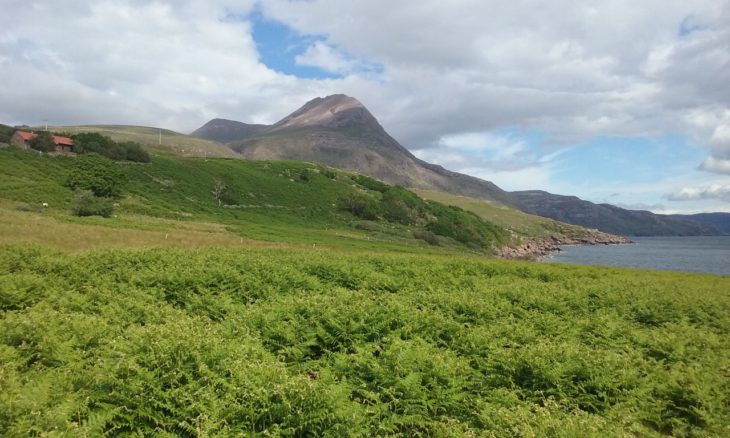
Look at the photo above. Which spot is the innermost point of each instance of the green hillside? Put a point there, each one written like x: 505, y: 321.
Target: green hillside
x: 170, y: 140
x: 280, y: 201
x: 522, y: 223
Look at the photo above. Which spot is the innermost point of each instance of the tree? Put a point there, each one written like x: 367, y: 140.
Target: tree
x: 135, y: 152
x: 6, y: 132
x: 98, y: 174
x: 43, y: 142
x: 92, y: 142
x: 219, y: 189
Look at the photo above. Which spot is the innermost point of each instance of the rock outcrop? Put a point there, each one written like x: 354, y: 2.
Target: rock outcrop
x: 531, y: 249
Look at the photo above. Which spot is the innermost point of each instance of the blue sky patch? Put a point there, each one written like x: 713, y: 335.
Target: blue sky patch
x: 279, y: 45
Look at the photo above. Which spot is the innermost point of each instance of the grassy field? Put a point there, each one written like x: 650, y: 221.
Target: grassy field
x: 292, y: 342
x: 282, y: 315
x: 170, y: 140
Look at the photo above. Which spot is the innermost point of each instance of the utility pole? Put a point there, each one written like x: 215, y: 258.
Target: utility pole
x: 160, y: 140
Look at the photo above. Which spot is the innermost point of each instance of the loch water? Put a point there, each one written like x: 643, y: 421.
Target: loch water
x: 708, y: 254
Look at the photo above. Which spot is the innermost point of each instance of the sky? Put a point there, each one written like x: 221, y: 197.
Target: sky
x: 616, y: 101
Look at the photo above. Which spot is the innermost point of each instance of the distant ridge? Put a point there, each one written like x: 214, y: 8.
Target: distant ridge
x: 339, y: 131
x: 224, y: 131
x: 609, y: 218
x: 721, y: 221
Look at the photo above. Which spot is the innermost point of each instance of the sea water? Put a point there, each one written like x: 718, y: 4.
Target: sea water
x: 710, y: 254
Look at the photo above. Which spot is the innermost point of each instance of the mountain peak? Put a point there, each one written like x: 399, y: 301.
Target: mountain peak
x: 335, y: 111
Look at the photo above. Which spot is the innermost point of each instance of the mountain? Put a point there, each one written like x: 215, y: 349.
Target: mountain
x: 340, y: 132
x: 608, y: 218
x: 224, y: 131
x: 721, y: 221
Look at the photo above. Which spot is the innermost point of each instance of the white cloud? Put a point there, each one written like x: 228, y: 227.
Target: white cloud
x: 713, y: 191
x: 327, y: 58
x: 175, y: 64
x: 719, y: 160
x: 498, y: 145
x: 454, y: 74
x: 506, y: 171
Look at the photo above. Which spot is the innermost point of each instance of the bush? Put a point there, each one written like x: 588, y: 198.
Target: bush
x: 136, y: 153
x: 306, y: 175
x: 464, y: 227
x: 91, y: 142
x: 86, y: 204
x: 361, y: 206
x: 426, y: 236
x: 371, y: 183
x: 402, y: 206
x: 6, y: 132
x: 97, y: 174
x: 43, y: 142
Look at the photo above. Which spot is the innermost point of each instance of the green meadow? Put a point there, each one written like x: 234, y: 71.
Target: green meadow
x: 313, y: 302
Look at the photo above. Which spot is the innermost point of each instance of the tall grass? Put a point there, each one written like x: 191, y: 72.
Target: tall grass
x: 305, y: 343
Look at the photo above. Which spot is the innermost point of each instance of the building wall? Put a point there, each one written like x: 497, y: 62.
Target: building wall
x: 17, y: 140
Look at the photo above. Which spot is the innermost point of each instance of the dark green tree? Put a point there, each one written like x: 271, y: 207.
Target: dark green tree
x: 98, y: 174
x: 135, y: 152
x: 5, y: 133
x: 43, y: 142
x: 92, y: 142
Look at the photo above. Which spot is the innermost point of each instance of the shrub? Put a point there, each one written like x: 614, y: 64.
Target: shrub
x: 361, y: 206
x: 92, y: 142
x: 426, y: 236
x: 87, y: 142
x: 6, y: 132
x: 370, y: 183
x: 306, y: 175
x: 86, y: 204
x: 136, y: 153
x: 97, y: 174
x: 402, y: 206
x: 464, y: 227
x: 43, y: 142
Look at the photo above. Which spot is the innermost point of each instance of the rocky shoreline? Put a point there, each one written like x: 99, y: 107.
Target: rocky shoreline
x: 541, y: 247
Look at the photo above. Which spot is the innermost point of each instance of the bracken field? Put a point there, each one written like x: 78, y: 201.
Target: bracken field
x: 308, y: 301
x: 294, y: 342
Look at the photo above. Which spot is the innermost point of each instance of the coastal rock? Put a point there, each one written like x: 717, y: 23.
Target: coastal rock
x: 534, y: 248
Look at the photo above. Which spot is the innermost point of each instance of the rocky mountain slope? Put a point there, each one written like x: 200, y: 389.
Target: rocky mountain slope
x: 608, y: 218
x: 224, y: 131
x: 339, y: 131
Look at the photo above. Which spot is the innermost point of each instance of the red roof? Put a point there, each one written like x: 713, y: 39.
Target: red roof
x: 61, y: 141
x: 25, y: 135
x: 65, y: 141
